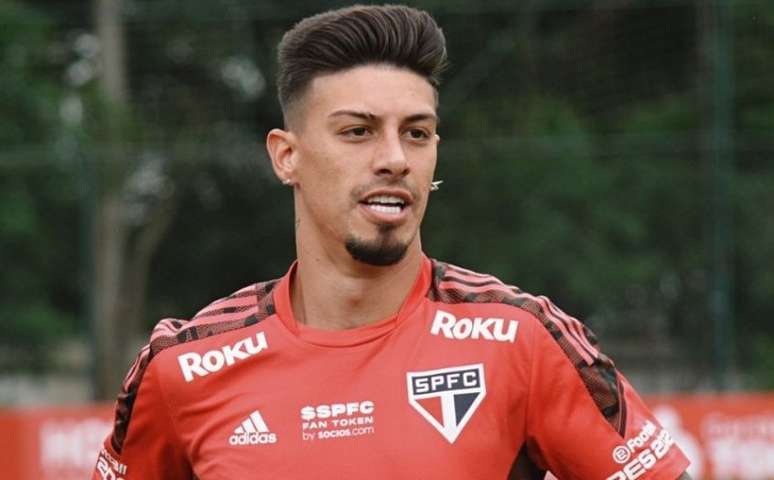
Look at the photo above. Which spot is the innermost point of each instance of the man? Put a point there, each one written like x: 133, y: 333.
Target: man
x: 368, y: 359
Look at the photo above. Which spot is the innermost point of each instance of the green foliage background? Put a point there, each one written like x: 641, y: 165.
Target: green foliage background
x: 574, y: 160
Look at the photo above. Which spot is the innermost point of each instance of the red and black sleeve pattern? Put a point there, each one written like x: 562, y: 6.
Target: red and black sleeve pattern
x: 580, y: 410
x: 241, y: 309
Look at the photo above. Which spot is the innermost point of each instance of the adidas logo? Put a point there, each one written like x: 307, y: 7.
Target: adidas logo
x: 252, y: 431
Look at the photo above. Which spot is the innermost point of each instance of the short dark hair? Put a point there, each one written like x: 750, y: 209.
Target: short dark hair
x: 341, y: 39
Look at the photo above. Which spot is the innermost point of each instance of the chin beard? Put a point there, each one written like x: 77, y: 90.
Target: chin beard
x: 381, y: 252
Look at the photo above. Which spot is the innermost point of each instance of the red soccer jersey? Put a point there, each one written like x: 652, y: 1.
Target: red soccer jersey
x: 472, y: 379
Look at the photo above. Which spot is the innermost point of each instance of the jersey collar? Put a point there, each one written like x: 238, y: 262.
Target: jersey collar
x: 354, y: 336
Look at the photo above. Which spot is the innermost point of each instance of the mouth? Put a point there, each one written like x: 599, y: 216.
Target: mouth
x: 383, y: 203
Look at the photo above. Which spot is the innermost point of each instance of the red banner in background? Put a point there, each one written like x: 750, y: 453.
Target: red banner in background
x: 52, y: 443
x: 727, y: 437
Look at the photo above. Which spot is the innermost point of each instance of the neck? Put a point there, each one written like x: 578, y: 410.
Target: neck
x: 331, y: 294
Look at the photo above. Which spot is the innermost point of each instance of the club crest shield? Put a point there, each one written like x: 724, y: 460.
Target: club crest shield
x: 447, y: 397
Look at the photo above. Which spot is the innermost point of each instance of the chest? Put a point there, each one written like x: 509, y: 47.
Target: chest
x: 420, y: 406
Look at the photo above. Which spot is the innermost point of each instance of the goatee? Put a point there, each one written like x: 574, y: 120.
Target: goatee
x: 380, y: 253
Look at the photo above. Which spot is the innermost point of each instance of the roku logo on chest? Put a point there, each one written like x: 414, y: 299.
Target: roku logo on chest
x: 192, y: 363
x: 497, y: 329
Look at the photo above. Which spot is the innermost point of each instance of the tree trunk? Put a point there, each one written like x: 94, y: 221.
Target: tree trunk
x: 110, y: 228
x: 109, y: 248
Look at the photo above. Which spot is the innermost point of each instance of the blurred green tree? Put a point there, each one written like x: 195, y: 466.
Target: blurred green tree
x: 571, y: 155
x: 38, y: 222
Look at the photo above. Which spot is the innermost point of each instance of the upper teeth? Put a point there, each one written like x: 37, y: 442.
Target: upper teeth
x: 385, y: 199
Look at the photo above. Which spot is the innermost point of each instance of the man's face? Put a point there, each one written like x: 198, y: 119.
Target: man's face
x: 366, y: 147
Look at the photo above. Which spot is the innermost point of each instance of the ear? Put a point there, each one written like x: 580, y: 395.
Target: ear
x: 281, y: 145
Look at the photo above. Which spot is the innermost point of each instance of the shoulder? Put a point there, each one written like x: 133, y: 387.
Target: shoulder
x: 554, y: 330
x: 452, y: 284
x: 241, y: 309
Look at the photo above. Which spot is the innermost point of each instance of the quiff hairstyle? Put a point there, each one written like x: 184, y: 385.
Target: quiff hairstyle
x: 341, y: 39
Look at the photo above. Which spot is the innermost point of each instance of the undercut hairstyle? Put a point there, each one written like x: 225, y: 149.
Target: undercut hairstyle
x: 341, y: 39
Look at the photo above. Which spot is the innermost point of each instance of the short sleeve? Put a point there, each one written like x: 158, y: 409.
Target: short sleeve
x: 584, y: 419
x: 143, y: 444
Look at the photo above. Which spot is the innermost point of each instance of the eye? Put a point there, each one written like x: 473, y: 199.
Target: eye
x: 356, y: 132
x: 418, y: 134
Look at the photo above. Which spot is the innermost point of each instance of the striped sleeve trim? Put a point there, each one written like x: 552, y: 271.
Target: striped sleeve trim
x: 237, y: 301
x: 242, y: 309
x: 580, y: 345
x: 453, y: 284
x: 575, y: 333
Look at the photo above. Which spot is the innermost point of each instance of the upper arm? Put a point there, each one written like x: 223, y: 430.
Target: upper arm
x: 143, y: 444
x: 584, y: 419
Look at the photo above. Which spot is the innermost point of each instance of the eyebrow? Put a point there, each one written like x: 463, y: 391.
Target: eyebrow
x: 368, y: 116
x: 354, y: 113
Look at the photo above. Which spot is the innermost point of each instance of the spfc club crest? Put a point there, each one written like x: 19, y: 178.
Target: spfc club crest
x: 447, y: 397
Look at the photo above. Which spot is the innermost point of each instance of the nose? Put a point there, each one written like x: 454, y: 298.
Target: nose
x: 390, y: 157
